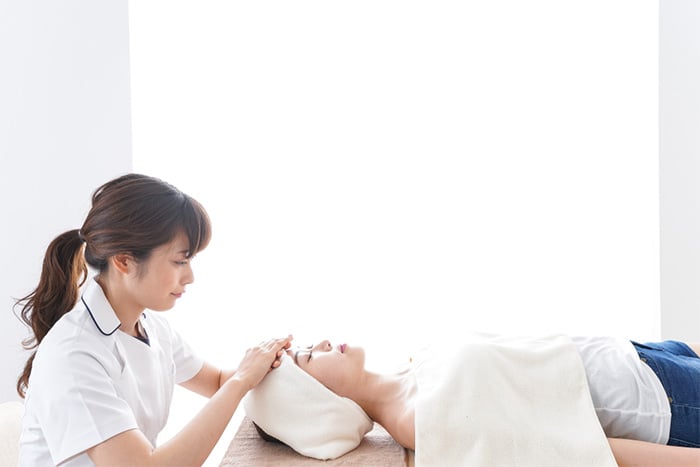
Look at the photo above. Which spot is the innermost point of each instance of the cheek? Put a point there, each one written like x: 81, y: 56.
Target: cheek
x: 330, y: 376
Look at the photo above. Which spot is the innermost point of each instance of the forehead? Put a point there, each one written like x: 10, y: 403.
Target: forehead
x: 178, y: 245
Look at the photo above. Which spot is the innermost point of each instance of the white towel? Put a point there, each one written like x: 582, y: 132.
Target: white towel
x: 507, y: 401
x: 295, y: 408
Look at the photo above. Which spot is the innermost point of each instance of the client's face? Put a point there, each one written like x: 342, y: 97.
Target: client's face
x: 336, y: 367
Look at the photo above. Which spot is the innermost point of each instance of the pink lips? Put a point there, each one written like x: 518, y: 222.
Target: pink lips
x: 342, y: 348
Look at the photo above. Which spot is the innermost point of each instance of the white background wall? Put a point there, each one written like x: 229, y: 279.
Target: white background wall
x: 375, y: 170
x: 679, y: 166
x: 65, y: 128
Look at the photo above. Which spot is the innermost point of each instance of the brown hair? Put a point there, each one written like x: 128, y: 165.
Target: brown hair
x: 265, y: 436
x: 132, y: 214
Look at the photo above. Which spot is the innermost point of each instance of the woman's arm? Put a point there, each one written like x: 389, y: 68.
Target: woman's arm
x: 210, y: 379
x: 194, y: 443
x: 629, y: 453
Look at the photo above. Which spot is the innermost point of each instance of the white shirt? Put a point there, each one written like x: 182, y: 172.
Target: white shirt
x: 90, y: 381
x: 628, y: 397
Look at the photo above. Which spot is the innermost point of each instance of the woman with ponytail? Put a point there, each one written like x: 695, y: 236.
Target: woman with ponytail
x: 99, y: 383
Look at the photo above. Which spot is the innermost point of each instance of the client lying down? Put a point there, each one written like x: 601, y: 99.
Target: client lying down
x: 495, y: 401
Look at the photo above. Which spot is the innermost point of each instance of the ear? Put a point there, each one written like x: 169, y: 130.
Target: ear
x: 122, y: 263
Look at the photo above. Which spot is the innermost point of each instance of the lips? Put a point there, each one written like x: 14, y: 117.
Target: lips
x: 342, y: 348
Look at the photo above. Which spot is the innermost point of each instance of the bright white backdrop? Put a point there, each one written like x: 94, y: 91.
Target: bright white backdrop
x: 391, y: 173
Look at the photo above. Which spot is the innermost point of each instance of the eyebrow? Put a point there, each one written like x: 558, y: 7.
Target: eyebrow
x: 296, y: 354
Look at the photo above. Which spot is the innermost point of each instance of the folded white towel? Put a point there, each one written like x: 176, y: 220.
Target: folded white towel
x: 502, y: 401
x: 295, y: 408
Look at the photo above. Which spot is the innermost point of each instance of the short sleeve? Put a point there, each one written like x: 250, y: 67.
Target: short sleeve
x: 187, y: 363
x: 76, y: 402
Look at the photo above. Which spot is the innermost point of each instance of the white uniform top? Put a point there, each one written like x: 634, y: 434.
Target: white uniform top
x: 628, y: 397
x: 90, y: 381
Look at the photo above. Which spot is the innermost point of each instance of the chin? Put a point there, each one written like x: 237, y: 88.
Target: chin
x: 357, y: 353
x: 164, y: 307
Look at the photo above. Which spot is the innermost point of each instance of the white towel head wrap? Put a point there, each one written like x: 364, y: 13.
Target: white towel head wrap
x: 292, y: 406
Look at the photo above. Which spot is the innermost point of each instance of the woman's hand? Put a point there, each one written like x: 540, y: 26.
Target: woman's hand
x: 259, y: 360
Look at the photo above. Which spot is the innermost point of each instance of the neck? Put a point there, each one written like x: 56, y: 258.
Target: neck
x: 388, y: 400
x: 127, y: 312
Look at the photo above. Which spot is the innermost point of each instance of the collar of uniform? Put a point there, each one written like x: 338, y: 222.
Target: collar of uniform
x: 98, y: 307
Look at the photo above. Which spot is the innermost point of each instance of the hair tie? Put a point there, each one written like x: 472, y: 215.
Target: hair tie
x: 80, y: 236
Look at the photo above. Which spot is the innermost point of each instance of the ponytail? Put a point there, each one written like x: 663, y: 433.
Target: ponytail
x: 63, y: 273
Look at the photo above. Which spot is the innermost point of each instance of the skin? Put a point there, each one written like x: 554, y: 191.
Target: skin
x: 695, y: 347
x: 389, y: 400
x: 156, y: 284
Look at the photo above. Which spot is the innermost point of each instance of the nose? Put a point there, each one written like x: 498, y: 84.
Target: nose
x: 324, y: 345
x: 188, y: 276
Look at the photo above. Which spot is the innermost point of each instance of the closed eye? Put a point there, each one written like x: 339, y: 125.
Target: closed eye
x: 296, y: 354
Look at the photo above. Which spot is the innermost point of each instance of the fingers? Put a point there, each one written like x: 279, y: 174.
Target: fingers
x: 283, y: 344
x: 260, y: 359
x: 278, y: 344
x: 278, y: 347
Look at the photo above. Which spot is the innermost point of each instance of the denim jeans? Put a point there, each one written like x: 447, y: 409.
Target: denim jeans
x: 678, y: 368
